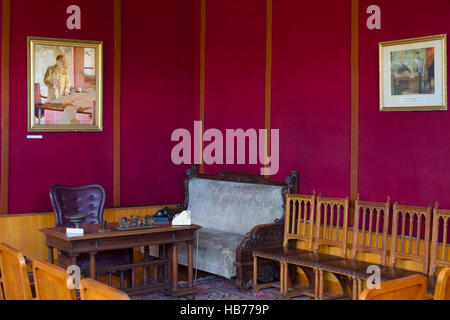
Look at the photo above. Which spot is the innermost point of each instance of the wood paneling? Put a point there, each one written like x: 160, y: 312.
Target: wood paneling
x: 354, y: 99
x: 21, y: 231
x: 202, y: 75
x: 268, y: 79
x: 4, y: 179
x: 117, y: 88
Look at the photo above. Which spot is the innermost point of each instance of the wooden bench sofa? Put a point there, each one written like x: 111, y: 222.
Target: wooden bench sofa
x: 323, y: 222
x: 238, y: 214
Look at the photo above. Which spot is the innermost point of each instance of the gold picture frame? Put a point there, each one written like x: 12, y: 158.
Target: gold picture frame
x: 65, y: 85
x: 413, y: 74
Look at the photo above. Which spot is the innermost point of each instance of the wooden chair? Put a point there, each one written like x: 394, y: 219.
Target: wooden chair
x: 91, y: 289
x: 371, y: 221
x: 52, y: 282
x: 333, y: 211
x: 298, y: 227
x: 412, y: 287
x: 15, y: 281
x: 442, y: 291
x: 2, y: 295
x: 439, y: 257
x: 418, y: 218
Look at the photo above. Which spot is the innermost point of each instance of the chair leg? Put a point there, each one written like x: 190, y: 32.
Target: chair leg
x: 354, y: 289
x: 255, y: 273
x: 316, y: 284
x: 320, y: 284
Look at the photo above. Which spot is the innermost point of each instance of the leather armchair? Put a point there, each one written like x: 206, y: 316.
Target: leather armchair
x: 89, y: 200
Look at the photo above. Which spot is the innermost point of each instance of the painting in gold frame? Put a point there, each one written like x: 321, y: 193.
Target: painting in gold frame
x: 413, y: 74
x: 65, y: 86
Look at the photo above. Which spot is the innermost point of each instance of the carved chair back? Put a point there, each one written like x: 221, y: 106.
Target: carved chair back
x: 88, y: 199
x: 332, y: 215
x: 411, y: 221
x: 91, y: 289
x: 407, y: 288
x: 371, y: 219
x: 52, y: 282
x: 439, y: 256
x: 16, y: 284
x: 299, y: 219
x: 442, y: 290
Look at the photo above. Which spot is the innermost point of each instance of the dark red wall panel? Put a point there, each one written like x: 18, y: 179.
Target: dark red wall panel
x: 311, y: 93
x: 235, y: 69
x: 401, y: 154
x: 65, y: 158
x: 157, y: 91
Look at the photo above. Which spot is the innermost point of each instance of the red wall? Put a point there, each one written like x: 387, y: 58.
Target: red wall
x: 235, y: 68
x: 401, y: 154
x: 157, y: 66
x: 311, y: 93
x: 65, y: 158
x: 157, y: 73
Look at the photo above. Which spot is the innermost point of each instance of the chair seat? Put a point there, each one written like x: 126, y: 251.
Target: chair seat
x: 278, y: 253
x: 310, y: 259
x: 390, y: 273
x: 348, y: 267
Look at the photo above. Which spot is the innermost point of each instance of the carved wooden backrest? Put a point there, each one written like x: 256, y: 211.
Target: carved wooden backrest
x: 442, y: 290
x: 91, y: 289
x: 290, y: 185
x: 52, y: 282
x: 16, y: 284
x: 410, y: 221
x: 332, y: 211
x: 407, y: 288
x: 373, y: 217
x: 439, y: 256
x: 299, y: 219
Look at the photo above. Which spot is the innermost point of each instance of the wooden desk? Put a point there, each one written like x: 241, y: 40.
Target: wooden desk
x: 94, y: 241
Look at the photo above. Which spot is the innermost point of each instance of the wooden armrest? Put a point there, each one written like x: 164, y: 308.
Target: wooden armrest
x: 263, y: 235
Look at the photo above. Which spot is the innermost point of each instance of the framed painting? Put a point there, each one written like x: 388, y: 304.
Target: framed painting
x: 65, y: 86
x: 413, y: 74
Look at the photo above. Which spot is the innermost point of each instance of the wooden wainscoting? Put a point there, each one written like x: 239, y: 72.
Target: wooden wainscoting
x: 331, y: 283
x: 21, y: 231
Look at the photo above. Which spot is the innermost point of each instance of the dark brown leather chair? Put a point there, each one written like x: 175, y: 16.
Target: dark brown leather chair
x: 89, y: 200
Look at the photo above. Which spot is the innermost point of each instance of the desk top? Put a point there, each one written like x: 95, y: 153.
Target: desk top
x: 91, y: 231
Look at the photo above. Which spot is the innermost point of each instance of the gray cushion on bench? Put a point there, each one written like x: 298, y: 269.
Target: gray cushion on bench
x: 216, y: 252
x: 232, y: 206
x: 227, y: 211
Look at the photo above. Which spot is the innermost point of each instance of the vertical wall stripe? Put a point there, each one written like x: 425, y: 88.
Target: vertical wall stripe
x: 354, y: 99
x: 116, y: 107
x: 202, y: 76
x: 268, y: 80
x: 5, y: 62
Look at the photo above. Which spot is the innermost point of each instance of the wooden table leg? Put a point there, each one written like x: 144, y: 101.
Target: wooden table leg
x: 51, y: 258
x: 92, y: 264
x: 174, y: 267
x: 190, y: 265
x: 146, y: 269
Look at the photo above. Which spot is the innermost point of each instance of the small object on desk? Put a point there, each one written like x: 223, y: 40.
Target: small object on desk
x: 77, y: 219
x: 103, y: 229
x: 182, y: 219
x: 74, y: 232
